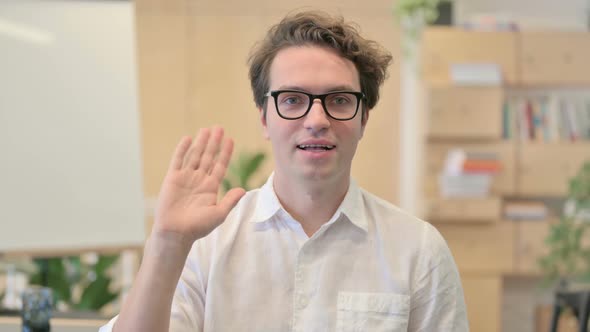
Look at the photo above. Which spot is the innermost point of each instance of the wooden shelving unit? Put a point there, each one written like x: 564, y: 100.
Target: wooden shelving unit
x: 486, y: 247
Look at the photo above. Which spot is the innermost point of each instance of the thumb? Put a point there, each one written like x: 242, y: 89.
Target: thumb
x: 230, y: 200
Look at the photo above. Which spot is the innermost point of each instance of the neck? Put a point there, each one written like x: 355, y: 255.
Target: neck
x: 311, y: 202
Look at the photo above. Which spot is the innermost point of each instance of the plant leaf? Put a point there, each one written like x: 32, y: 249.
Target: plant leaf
x: 96, y: 295
x: 104, y: 262
x: 57, y: 280
x: 250, y: 166
x: 226, y: 185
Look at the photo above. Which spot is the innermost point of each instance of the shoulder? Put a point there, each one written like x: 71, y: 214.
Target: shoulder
x: 246, y: 207
x: 403, y: 231
x: 388, y: 216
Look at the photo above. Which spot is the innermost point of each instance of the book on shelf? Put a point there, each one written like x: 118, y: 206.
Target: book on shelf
x: 481, y: 166
x: 530, y: 210
x: 547, y: 118
x: 476, y: 74
x: 465, y: 185
x: 468, y: 174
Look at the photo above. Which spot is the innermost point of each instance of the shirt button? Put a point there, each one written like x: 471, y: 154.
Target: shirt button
x: 303, y: 301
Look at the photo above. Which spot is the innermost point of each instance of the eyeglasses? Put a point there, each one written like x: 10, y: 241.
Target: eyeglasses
x: 339, y: 105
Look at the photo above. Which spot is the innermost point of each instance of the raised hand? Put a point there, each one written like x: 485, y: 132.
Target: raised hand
x: 188, y: 206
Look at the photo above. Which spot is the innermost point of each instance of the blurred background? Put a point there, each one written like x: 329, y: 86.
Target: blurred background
x: 482, y: 129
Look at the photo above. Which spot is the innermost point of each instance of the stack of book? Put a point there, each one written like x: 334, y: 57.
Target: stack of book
x: 468, y: 174
x: 530, y: 210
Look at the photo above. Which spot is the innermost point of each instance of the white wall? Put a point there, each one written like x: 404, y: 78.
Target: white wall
x: 531, y: 14
x: 70, y: 167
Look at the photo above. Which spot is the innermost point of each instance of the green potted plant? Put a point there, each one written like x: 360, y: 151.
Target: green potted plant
x: 568, y: 261
x: 413, y: 15
x: 241, y: 171
x: 424, y: 10
x: 77, y: 284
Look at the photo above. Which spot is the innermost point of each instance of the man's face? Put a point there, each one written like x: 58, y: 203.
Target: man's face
x: 313, y: 70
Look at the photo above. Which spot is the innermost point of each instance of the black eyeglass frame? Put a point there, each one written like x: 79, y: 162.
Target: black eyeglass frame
x: 322, y: 97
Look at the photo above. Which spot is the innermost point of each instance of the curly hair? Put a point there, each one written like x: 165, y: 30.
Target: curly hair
x: 320, y: 29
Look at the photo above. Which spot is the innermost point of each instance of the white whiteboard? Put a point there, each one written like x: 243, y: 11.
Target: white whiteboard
x: 70, y: 163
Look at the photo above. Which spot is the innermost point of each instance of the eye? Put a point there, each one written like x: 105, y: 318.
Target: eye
x: 341, y: 99
x: 291, y: 99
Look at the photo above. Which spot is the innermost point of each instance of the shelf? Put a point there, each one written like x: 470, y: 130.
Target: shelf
x: 472, y: 118
x: 442, y: 46
x: 465, y: 112
x: 554, y: 58
x: 436, y: 152
x: 544, y: 169
x: 483, y: 248
x: 464, y: 210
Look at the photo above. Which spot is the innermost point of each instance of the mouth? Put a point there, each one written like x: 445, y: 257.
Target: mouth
x: 316, y: 147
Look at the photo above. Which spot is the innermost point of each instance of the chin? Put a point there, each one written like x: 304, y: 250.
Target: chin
x: 319, y: 173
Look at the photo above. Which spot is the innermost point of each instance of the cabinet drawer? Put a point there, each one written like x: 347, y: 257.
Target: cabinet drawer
x: 529, y: 246
x: 550, y: 58
x: 481, y: 248
x: 466, y: 210
x: 442, y: 47
x: 436, y: 153
x: 483, y: 298
x: 545, y: 169
x: 465, y: 112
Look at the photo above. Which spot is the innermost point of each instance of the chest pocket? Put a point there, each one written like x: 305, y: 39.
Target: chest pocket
x: 373, y: 312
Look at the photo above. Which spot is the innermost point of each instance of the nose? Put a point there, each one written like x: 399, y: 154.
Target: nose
x: 317, y: 119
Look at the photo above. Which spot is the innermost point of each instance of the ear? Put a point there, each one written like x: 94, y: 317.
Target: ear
x: 262, y: 114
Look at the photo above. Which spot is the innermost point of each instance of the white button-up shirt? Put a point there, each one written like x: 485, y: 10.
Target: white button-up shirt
x: 371, y: 267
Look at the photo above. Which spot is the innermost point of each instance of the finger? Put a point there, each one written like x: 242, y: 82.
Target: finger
x: 220, y: 166
x: 211, y: 150
x: 196, y: 151
x: 230, y: 200
x: 179, y: 153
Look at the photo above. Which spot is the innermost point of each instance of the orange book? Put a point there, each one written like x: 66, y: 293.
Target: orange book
x: 490, y: 166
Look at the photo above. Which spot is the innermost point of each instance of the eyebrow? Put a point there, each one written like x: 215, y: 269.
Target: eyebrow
x: 331, y: 89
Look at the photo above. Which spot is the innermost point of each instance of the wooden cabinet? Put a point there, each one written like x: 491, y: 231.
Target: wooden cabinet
x: 545, y: 169
x: 443, y: 47
x: 538, y: 58
x: 464, y: 210
x: 465, y: 112
x: 486, y: 248
x: 483, y: 297
x: 554, y: 58
x: 529, y: 246
x: 436, y: 152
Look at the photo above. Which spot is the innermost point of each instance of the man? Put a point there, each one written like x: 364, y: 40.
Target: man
x: 310, y: 250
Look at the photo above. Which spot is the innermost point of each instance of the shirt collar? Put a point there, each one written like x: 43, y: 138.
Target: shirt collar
x: 267, y: 204
x: 352, y: 207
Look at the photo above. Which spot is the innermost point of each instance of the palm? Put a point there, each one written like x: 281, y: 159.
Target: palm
x: 187, y: 204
